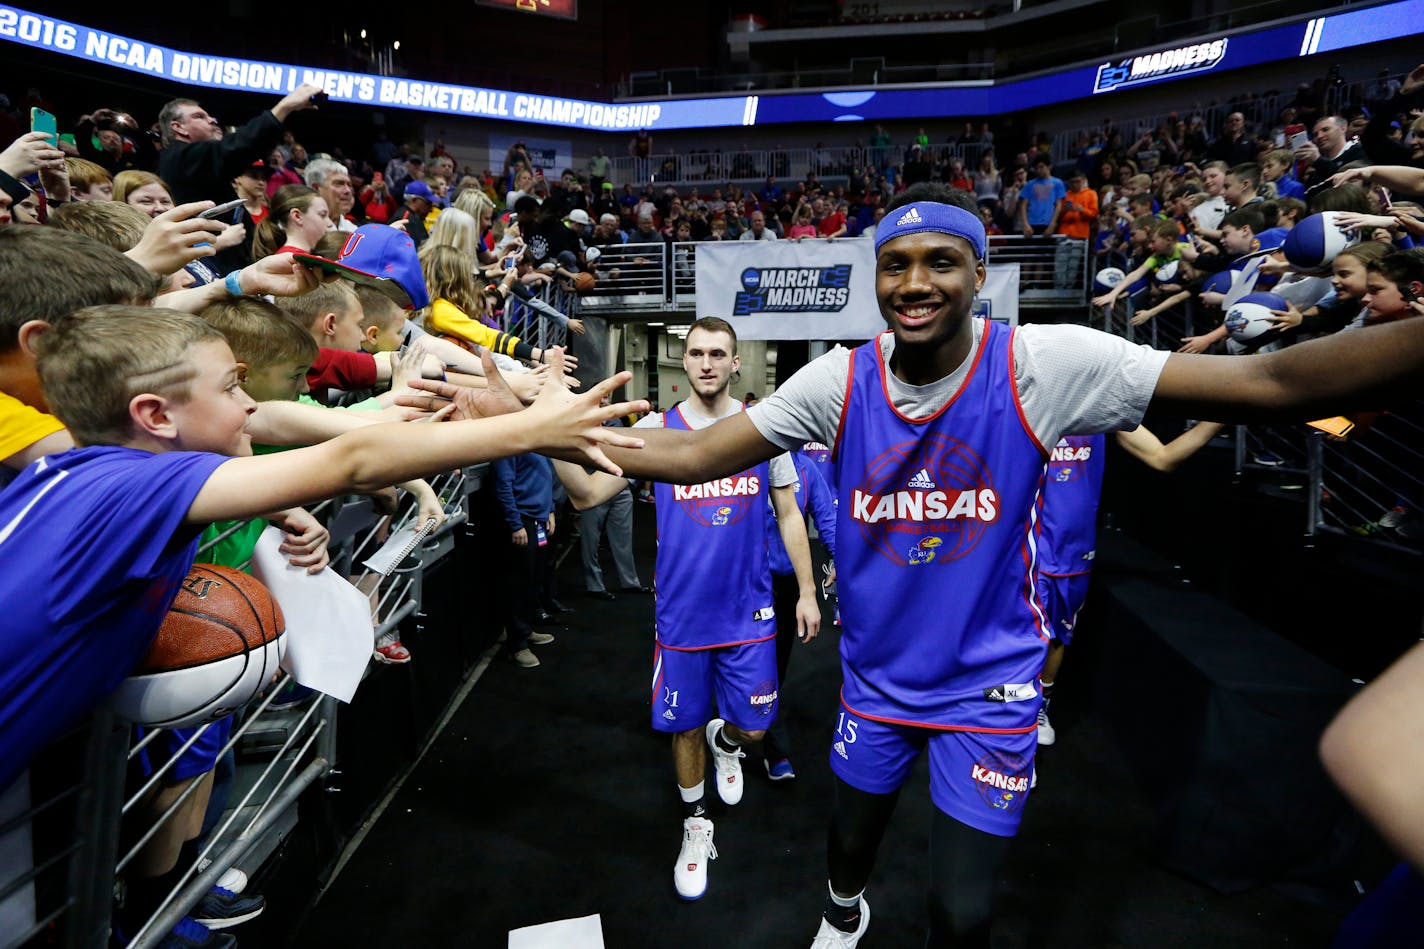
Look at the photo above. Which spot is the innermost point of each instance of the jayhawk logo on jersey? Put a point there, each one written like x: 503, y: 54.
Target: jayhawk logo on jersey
x: 720, y: 518
x: 1069, y: 458
x: 924, y: 551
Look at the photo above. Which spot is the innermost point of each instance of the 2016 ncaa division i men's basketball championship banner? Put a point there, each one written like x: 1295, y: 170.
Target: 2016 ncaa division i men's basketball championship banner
x: 814, y: 289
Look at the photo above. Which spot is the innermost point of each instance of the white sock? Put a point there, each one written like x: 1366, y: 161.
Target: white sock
x: 845, y: 901
x: 689, y: 795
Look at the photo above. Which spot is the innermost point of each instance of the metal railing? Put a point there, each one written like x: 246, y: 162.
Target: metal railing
x: 1054, y: 272
x: 751, y: 167
x: 1260, y: 110
x: 1369, y: 484
x: 63, y: 860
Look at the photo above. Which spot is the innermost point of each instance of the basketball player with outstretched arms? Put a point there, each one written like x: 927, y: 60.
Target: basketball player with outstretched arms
x: 940, y: 430
x: 716, y: 625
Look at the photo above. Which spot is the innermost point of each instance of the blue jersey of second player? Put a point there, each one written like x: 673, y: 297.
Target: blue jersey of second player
x: 820, y: 456
x: 812, y: 496
x: 1068, y: 516
x: 941, y: 624
x: 713, y: 582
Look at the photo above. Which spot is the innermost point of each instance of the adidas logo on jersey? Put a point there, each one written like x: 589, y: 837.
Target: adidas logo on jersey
x: 923, y: 480
x: 840, y: 750
x: 668, y: 714
x: 911, y: 216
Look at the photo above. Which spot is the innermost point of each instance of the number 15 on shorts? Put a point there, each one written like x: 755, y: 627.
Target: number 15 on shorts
x: 846, y: 728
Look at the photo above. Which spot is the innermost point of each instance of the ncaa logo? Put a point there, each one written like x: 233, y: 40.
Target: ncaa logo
x: 751, y: 279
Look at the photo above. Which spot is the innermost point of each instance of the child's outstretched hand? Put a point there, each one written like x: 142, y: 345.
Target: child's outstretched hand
x: 305, y: 543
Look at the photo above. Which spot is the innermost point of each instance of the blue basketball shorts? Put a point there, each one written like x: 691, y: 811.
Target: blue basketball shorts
x: 1062, y: 598
x: 978, y: 778
x: 738, y: 682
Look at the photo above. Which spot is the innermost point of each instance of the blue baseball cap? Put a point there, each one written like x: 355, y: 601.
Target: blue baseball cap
x: 418, y: 189
x: 379, y: 256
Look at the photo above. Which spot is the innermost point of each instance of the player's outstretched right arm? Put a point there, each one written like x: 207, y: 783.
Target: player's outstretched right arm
x: 489, y: 426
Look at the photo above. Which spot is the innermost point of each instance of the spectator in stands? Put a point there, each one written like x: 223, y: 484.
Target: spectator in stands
x: 251, y: 187
x: 113, y: 141
x: 606, y: 232
x: 1328, y: 151
x: 419, y: 201
x: 758, y: 231
x: 987, y: 184
x: 88, y: 181
x: 605, y: 201
x: 646, y: 232
x: 1208, y: 213
x: 1080, y: 208
x: 1394, y: 287
x: 1243, y: 184
x: 199, y: 162
x: 1277, y: 170
x: 832, y: 224
x: 1009, y: 198
x: 1041, y: 201
x: 379, y: 203
x: 801, y: 226
x: 332, y: 181
x: 297, y: 218
x: 1233, y: 146
x: 598, y: 168
x: 281, y: 175
x: 144, y: 190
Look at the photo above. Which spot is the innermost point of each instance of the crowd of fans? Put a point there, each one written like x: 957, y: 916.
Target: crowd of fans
x: 117, y: 215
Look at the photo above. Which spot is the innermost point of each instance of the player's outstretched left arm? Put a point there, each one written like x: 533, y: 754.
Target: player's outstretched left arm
x: 1362, y: 369
x: 798, y: 549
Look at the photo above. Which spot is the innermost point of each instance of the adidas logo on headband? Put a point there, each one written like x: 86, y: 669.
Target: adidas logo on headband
x: 911, y: 216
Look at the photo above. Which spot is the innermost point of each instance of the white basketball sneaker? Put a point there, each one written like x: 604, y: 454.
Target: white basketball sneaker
x: 829, y: 937
x: 728, y: 765
x: 690, y: 874
x: 1046, y: 734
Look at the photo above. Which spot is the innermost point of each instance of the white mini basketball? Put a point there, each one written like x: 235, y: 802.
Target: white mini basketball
x: 1108, y: 278
x: 1312, y: 244
x: 1250, y: 316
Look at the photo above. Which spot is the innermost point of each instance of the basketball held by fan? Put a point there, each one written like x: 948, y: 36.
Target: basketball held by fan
x: 221, y: 642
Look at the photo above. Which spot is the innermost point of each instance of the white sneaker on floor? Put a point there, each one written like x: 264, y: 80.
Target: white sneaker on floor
x: 690, y: 874
x: 1046, y: 734
x: 727, y: 763
x: 829, y: 937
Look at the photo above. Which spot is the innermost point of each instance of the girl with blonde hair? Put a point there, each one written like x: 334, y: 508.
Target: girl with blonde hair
x: 457, y: 303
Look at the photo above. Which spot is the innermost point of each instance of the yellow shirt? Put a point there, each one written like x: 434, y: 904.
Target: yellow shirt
x: 446, y: 319
x: 22, y: 426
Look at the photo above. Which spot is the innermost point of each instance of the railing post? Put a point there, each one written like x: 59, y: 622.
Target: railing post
x: 1315, y: 480
x: 96, y: 827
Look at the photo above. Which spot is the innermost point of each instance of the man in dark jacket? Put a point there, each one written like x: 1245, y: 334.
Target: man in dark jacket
x: 199, y: 163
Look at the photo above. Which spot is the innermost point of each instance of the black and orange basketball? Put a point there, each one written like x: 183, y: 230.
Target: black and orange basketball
x: 220, y: 643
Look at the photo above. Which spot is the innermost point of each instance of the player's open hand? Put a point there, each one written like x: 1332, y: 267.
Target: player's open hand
x: 568, y: 422
x: 808, y: 617
x: 464, y: 402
